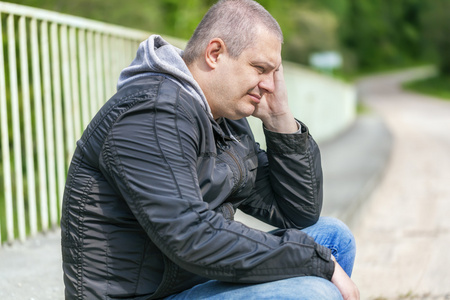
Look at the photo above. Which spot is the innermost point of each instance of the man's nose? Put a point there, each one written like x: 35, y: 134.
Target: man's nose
x: 268, y: 83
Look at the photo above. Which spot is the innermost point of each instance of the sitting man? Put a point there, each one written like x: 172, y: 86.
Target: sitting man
x: 161, y: 169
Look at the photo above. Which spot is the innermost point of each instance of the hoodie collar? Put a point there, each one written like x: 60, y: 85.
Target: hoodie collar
x: 155, y: 56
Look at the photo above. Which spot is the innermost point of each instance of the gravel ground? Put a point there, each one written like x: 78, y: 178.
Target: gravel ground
x: 32, y: 270
x: 403, y: 235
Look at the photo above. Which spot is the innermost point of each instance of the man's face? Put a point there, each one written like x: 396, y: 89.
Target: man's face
x: 242, y: 83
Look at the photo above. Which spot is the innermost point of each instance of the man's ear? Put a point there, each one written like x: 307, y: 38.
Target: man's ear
x: 214, y: 50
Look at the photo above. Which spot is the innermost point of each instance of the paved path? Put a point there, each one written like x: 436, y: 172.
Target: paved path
x: 32, y: 270
x: 403, y: 235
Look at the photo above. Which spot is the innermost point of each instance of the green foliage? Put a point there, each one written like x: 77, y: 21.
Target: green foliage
x: 369, y: 34
x: 309, y: 30
x: 2, y: 207
x: 382, y: 32
x: 307, y: 25
x: 436, y: 86
x: 171, y: 17
x: 436, y: 32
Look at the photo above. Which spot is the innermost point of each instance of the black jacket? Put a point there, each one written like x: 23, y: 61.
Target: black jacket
x: 152, y: 188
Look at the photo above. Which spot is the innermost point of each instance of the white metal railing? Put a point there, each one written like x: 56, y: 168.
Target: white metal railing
x: 55, y: 72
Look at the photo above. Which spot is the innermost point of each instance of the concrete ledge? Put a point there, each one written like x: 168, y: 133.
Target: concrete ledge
x: 353, y: 164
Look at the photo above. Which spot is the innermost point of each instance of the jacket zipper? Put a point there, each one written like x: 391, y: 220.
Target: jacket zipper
x: 241, y: 174
x: 223, y: 147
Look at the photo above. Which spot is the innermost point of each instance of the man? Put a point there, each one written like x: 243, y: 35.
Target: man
x: 159, y: 172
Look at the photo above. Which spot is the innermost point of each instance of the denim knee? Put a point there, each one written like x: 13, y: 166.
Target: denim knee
x: 335, y: 235
x: 305, y: 288
x: 339, y: 229
x: 308, y: 288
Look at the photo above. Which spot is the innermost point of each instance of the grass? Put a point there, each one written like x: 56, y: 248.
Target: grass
x: 2, y: 207
x: 2, y: 221
x: 435, y: 86
x: 362, y: 109
x: 410, y: 295
x: 352, y: 76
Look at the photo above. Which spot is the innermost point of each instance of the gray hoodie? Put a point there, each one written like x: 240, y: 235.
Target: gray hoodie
x: 157, y: 56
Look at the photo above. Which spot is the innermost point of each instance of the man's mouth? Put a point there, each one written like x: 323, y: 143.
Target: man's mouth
x: 255, y: 97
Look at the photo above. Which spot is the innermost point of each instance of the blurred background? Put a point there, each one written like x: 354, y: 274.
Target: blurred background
x: 368, y: 35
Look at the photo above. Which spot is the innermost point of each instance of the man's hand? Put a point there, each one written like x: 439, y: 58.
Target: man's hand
x: 345, y: 285
x: 274, y: 109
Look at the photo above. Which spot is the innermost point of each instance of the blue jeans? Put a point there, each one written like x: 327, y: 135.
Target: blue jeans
x: 328, y: 232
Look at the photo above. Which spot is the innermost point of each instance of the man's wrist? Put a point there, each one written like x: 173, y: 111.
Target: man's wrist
x: 299, y: 128
x: 285, y: 124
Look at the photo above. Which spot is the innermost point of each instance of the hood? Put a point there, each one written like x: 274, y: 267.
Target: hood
x: 155, y: 56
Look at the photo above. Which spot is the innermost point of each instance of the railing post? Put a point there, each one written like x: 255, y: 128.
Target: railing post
x: 91, y: 72
x: 49, y: 128
x: 100, y: 97
x: 17, y: 145
x: 74, y: 83
x: 86, y: 113
x: 29, y: 145
x: 56, y: 89
x: 40, y: 139
x: 6, y: 156
x: 107, y: 70
x: 67, y: 98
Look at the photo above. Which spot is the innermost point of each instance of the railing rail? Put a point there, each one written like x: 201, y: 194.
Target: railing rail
x: 55, y: 72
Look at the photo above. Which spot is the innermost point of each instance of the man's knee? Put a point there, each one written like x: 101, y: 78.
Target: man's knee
x: 338, y: 228
x: 338, y: 237
x: 330, y: 228
x: 308, y: 287
x: 305, y: 288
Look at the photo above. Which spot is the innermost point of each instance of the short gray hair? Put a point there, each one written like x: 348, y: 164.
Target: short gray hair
x: 233, y: 21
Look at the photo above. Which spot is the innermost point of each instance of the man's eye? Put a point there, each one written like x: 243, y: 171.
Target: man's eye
x: 260, y: 69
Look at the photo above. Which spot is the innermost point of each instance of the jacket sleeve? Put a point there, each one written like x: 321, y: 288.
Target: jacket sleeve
x: 150, y: 157
x: 288, y: 189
